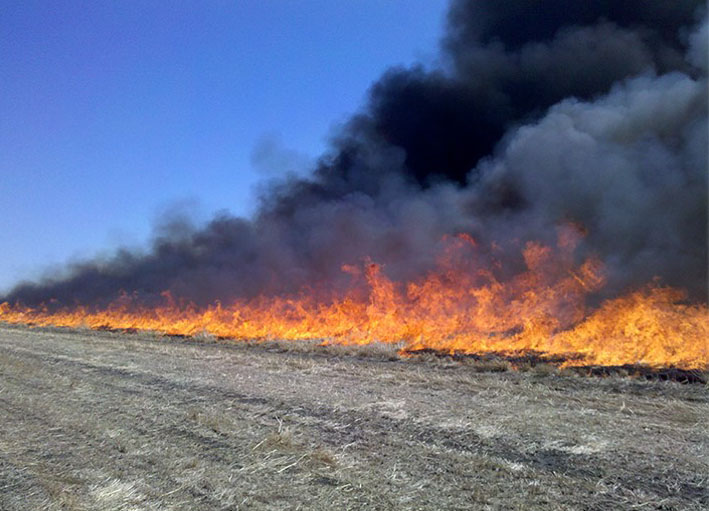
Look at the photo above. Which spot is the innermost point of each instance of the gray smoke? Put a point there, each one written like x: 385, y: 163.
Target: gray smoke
x: 631, y: 167
x: 542, y: 113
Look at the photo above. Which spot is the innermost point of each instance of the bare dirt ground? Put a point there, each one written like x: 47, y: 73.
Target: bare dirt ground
x: 100, y: 420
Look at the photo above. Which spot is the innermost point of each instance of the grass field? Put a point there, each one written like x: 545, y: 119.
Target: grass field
x: 108, y: 421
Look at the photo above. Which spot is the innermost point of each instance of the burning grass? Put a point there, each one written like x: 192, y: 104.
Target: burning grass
x: 460, y: 307
x: 531, y: 361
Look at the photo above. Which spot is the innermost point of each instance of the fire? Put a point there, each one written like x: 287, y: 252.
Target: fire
x: 460, y: 306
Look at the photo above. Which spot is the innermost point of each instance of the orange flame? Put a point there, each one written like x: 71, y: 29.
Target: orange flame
x: 457, y: 307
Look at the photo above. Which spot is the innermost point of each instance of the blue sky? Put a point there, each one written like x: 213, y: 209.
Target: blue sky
x: 111, y: 112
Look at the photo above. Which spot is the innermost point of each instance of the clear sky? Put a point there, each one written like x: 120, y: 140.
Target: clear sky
x: 111, y: 112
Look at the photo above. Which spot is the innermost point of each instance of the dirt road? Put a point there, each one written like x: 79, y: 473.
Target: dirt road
x: 99, y: 421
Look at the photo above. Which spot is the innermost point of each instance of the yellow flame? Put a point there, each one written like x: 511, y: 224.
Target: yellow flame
x: 457, y: 307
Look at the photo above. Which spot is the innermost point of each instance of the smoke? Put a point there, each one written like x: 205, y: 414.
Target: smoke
x: 542, y: 112
x: 270, y: 157
x: 630, y: 167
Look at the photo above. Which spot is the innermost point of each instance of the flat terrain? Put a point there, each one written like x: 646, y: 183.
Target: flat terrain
x: 101, y: 420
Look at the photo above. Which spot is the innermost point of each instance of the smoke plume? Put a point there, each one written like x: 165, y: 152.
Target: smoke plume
x: 540, y: 113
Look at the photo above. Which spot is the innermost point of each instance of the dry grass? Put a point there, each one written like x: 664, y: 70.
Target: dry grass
x: 105, y: 421
x: 375, y: 350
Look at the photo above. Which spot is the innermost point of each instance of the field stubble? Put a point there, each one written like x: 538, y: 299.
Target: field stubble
x: 109, y: 421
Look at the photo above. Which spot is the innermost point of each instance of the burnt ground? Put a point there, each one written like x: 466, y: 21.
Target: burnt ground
x: 105, y: 420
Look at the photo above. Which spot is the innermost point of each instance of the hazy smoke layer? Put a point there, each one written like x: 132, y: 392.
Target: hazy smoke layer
x: 543, y: 112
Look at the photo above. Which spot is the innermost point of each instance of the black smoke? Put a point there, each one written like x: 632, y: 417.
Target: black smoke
x: 540, y: 112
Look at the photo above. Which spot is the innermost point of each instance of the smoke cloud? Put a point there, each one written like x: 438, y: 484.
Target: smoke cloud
x: 541, y: 113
